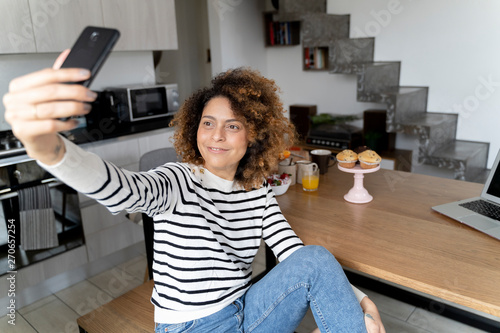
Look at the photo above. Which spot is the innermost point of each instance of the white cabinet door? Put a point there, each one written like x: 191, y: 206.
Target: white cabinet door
x: 16, y: 30
x: 144, y: 25
x: 57, y: 24
x: 106, y: 233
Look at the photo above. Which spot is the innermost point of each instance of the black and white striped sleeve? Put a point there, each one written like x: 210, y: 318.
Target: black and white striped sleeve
x: 115, y: 188
x: 277, y: 233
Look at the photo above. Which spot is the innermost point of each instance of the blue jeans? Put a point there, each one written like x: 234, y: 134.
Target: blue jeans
x: 309, y: 278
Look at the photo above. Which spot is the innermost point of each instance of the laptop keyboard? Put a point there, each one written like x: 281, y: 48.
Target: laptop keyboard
x: 484, y: 208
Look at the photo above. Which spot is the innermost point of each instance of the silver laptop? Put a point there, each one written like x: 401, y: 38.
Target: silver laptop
x: 481, y: 213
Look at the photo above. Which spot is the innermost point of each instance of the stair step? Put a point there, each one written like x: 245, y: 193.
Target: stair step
x: 404, y: 105
x: 346, y: 56
x: 460, y: 150
x: 378, y: 79
x: 320, y: 29
x: 467, y: 158
x: 433, y: 129
x: 431, y: 119
x: 293, y: 10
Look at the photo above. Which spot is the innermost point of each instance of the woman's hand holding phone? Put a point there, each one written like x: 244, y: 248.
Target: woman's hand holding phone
x: 41, y: 104
x: 35, y: 103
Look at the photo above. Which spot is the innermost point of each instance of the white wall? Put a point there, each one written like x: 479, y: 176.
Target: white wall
x: 188, y: 66
x: 236, y: 34
x: 451, y: 46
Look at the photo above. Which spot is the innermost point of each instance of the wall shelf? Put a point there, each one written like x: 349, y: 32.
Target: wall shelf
x: 315, y: 58
x: 280, y: 33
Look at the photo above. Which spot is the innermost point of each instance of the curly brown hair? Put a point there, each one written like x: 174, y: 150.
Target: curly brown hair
x: 254, y: 99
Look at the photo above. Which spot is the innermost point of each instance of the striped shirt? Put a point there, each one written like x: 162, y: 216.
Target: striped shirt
x: 207, y: 229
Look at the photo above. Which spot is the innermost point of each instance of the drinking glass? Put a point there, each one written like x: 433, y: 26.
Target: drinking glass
x: 310, y: 179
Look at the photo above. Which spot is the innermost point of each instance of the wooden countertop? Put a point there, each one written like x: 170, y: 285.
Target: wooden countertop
x: 398, y: 238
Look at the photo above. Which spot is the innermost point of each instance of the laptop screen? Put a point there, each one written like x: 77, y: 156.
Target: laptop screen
x: 494, y: 188
x: 491, y: 190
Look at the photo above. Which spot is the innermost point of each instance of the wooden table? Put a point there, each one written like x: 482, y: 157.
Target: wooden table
x: 398, y: 238
x: 131, y: 312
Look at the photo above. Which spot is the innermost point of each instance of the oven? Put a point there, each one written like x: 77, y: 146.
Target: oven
x: 16, y: 175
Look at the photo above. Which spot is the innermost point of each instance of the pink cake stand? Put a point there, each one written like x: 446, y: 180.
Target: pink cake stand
x: 358, y: 194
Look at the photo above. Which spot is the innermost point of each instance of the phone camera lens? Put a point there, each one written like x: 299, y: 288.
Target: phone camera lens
x: 94, y: 36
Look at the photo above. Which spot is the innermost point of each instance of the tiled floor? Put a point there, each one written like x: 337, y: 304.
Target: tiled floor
x: 58, y: 312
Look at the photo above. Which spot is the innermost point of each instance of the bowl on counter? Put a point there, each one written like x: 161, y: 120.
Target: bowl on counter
x: 279, y: 183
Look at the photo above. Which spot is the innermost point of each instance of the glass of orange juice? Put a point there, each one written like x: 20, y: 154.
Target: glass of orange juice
x: 310, y: 178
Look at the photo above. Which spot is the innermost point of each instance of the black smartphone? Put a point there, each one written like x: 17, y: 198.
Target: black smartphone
x: 91, y: 50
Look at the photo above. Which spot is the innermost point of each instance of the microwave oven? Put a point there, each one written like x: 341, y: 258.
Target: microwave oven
x: 136, y: 103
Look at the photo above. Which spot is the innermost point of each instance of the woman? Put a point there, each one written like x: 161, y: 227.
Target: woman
x: 210, y: 212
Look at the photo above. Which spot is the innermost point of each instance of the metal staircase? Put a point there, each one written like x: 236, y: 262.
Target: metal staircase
x: 379, y: 82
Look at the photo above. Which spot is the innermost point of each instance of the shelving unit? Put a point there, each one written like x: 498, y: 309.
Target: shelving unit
x: 277, y: 33
x: 315, y: 58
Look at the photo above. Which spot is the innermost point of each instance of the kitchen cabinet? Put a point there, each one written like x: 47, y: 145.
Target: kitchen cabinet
x: 106, y: 233
x: 57, y: 24
x: 16, y: 30
x: 144, y: 25
x: 38, y: 26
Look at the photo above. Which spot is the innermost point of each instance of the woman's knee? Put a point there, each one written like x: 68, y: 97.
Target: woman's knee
x: 322, y: 264
x: 316, y: 251
x: 317, y: 255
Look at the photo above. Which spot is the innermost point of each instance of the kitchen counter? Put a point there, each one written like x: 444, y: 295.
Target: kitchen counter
x: 96, y: 133
x: 107, y: 130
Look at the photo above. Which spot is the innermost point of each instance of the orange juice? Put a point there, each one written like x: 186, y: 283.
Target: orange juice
x: 310, y: 182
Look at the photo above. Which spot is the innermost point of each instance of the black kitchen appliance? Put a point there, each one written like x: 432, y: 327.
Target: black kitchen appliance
x: 19, y: 173
x: 139, y: 102
x: 335, y: 136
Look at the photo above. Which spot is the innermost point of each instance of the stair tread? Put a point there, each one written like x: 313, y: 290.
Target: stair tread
x: 460, y: 150
x: 409, y: 90
x: 429, y: 119
x: 359, y: 66
x: 401, y: 90
x: 382, y: 63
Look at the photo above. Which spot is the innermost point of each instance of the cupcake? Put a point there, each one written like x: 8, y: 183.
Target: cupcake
x: 347, y: 158
x: 369, y: 159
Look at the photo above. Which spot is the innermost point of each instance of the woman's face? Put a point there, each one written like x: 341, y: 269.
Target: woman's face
x: 222, y: 138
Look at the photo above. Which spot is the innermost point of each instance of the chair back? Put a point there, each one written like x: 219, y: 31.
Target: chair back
x: 156, y: 158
